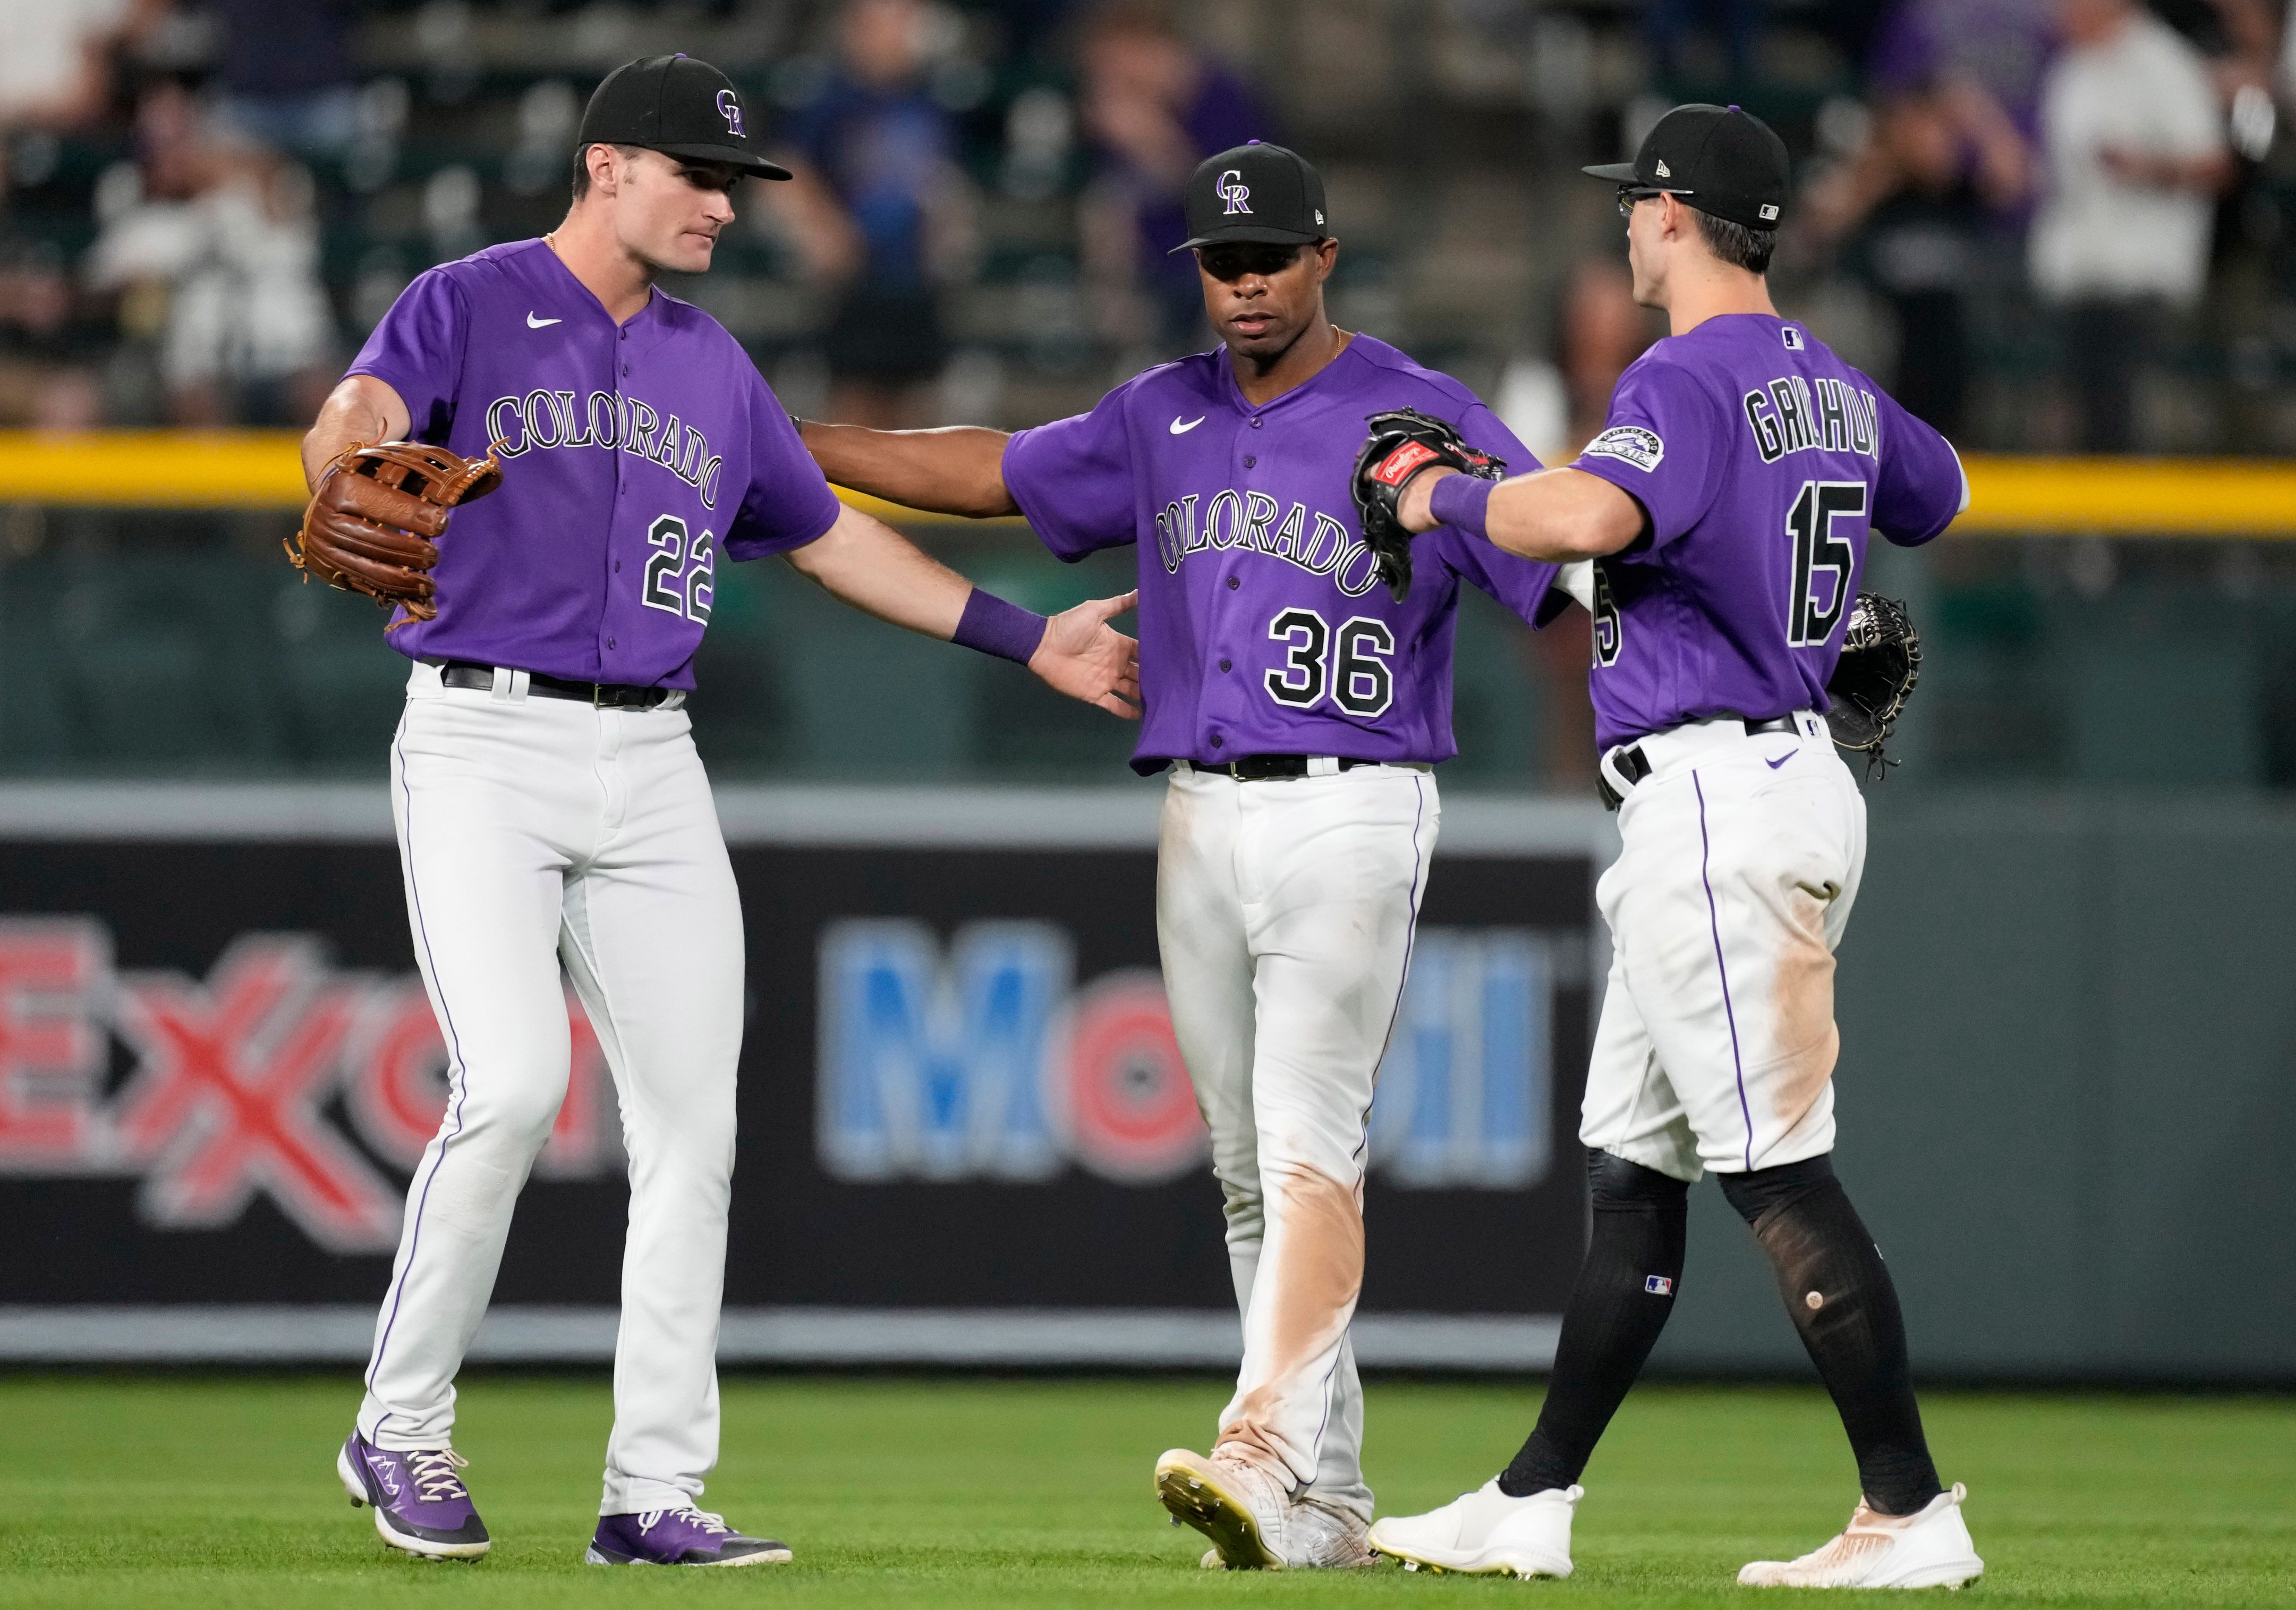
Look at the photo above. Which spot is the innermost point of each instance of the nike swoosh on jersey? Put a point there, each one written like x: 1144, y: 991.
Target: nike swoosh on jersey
x: 1781, y: 761
x: 1182, y: 429
x: 533, y: 323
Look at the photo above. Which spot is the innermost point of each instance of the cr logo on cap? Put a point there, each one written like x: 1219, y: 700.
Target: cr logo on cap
x: 730, y: 109
x: 1231, y: 188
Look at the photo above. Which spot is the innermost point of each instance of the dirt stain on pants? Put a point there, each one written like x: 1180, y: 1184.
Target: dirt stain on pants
x: 1310, y: 1274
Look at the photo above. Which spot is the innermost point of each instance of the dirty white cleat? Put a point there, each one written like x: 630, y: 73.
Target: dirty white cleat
x: 1486, y: 1534
x: 1245, y: 1510
x: 1927, y: 1549
x: 1319, y: 1537
x: 1325, y: 1537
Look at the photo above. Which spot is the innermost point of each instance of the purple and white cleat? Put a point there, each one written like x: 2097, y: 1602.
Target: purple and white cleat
x: 678, y: 1537
x: 421, y: 1505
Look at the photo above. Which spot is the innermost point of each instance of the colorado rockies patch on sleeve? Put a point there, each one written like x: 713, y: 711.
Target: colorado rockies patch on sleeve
x: 1659, y: 444
x: 1631, y: 443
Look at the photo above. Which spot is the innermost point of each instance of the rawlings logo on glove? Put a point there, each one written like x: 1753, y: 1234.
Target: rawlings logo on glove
x: 369, y: 527
x: 1404, y: 441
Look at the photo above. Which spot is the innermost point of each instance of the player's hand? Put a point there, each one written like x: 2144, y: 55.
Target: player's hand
x: 1085, y: 658
x: 1414, y: 508
x: 1401, y: 446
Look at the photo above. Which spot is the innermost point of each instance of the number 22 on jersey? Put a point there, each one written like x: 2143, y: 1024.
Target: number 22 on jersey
x: 679, y: 578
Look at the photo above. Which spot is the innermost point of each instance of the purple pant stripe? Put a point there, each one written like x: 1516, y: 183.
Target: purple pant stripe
x: 1418, y: 861
x: 1410, y: 942
x: 1714, y: 919
x: 462, y: 1084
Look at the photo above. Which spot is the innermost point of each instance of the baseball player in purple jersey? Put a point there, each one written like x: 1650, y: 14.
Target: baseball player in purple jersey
x: 1727, y: 506
x: 1299, y: 708
x: 551, y: 809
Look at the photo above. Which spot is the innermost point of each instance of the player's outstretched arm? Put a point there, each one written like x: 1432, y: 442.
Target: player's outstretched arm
x: 1557, y: 516
x: 361, y: 410
x: 871, y: 566
x: 957, y: 470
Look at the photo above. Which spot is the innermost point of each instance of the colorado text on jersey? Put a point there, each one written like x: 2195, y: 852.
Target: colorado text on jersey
x: 1247, y: 520
x: 550, y: 419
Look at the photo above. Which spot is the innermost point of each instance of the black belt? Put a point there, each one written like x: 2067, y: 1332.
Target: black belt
x: 1262, y: 768
x: 1634, y: 766
x: 606, y: 695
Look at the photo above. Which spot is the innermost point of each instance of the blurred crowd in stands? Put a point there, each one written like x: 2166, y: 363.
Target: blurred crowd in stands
x: 2048, y: 225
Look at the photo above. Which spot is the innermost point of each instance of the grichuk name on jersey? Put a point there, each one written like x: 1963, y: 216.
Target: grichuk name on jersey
x: 1785, y: 419
x: 1249, y: 520
x: 551, y: 419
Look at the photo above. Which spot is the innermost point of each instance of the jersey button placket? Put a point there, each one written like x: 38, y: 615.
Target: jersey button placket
x: 621, y: 490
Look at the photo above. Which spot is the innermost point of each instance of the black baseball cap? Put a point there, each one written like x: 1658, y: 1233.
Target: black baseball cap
x: 1258, y: 192
x: 679, y: 106
x: 1720, y: 160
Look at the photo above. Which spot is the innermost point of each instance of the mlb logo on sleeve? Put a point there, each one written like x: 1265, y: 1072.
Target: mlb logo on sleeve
x: 1791, y: 337
x: 1637, y: 447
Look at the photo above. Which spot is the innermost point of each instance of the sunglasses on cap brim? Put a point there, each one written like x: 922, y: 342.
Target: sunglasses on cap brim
x: 1628, y: 194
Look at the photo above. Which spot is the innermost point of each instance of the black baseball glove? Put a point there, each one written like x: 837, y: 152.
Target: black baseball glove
x: 1403, y: 442
x: 1881, y: 661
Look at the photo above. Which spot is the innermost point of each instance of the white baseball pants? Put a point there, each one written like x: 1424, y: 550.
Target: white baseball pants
x: 1717, y: 1042
x: 532, y: 832
x: 1285, y: 912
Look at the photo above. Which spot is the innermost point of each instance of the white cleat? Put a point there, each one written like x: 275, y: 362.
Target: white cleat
x: 1243, y: 1509
x: 1928, y: 1550
x: 1319, y: 1538
x: 1486, y: 1534
x: 1324, y: 1537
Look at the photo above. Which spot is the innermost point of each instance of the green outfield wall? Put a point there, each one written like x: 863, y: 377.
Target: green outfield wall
x: 2067, y: 1094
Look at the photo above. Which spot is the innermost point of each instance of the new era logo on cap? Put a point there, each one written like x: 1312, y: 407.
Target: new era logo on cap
x: 1720, y: 160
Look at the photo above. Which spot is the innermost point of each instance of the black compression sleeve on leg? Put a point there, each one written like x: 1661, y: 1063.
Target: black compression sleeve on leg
x: 1625, y: 1291
x: 1845, y: 1305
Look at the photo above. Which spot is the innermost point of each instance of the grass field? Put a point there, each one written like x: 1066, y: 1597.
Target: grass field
x: 189, y: 1493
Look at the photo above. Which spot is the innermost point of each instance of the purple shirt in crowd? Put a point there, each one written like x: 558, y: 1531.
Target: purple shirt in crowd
x: 1763, y: 462
x: 1264, y: 629
x: 632, y: 456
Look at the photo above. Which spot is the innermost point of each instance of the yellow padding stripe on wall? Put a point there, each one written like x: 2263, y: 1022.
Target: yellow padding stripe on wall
x: 2131, y: 497
x: 203, y: 470
x: 261, y: 469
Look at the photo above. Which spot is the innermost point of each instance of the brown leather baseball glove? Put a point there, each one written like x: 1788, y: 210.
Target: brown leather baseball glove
x: 368, y: 527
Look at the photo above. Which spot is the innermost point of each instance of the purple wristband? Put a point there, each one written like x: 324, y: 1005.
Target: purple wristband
x: 995, y: 626
x: 1462, y: 501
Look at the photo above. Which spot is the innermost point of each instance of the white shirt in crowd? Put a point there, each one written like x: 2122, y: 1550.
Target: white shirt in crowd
x: 2145, y: 91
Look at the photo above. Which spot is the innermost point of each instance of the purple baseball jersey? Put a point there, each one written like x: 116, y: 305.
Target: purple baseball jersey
x: 1263, y: 626
x: 632, y: 456
x: 1763, y: 462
